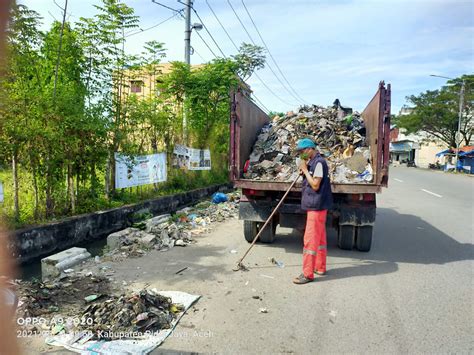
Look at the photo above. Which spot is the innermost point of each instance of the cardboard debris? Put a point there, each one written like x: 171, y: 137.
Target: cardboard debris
x: 340, y: 139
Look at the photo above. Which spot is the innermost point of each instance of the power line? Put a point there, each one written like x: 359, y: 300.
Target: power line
x: 209, y: 33
x: 154, y: 26
x: 269, y: 67
x: 268, y: 64
x: 270, y: 53
x: 202, y: 39
x: 222, y: 26
x: 166, y: 7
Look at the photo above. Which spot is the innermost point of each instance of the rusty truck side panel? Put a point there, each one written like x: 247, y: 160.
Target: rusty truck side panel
x: 247, y: 119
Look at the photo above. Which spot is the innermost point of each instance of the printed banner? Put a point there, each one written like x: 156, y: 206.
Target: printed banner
x: 199, y: 159
x: 190, y: 158
x: 139, y: 170
x: 180, y: 157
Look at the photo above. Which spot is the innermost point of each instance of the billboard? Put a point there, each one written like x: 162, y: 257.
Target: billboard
x: 139, y: 170
x: 191, y: 159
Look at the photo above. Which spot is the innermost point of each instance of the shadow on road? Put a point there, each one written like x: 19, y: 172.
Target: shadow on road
x: 398, y: 238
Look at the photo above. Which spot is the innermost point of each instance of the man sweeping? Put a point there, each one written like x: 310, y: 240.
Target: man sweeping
x: 316, y: 200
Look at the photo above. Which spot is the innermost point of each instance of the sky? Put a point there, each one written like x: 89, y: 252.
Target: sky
x: 326, y: 49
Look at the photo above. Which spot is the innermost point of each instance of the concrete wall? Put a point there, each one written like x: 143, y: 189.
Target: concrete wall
x: 40, y: 241
x: 427, y: 153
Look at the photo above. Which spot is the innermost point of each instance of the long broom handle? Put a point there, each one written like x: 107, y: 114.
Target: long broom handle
x: 268, y: 220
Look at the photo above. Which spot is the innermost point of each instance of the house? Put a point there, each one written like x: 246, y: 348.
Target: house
x: 419, y: 147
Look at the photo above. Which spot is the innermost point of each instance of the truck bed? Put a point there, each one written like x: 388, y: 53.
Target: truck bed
x: 247, y: 119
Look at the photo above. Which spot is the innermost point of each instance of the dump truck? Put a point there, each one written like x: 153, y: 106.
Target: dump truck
x: 354, y: 210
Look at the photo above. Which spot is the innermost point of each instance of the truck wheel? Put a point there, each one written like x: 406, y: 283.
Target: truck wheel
x: 268, y: 234
x: 364, y: 238
x: 250, y: 230
x: 346, y: 237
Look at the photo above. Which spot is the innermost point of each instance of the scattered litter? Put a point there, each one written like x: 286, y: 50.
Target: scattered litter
x: 246, y: 284
x: 166, y: 231
x: 268, y: 277
x: 263, y: 310
x: 39, y: 298
x: 256, y: 297
x: 219, y: 197
x: 68, y: 271
x: 233, y: 251
x: 333, y: 313
x: 91, y: 298
x: 280, y: 264
x: 127, y: 314
x: 181, y: 270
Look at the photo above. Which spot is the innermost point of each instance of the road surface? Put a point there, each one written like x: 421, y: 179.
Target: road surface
x: 412, y: 293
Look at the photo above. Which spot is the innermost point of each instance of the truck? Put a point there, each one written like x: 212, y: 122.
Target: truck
x: 354, y: 210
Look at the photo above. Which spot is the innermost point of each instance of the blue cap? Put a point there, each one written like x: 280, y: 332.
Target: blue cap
x: 305, y: 143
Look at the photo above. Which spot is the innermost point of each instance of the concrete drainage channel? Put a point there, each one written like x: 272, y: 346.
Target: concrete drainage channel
x: 32, y: 244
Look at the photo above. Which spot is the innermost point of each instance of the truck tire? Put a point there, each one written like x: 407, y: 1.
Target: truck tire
x: 364, y: 238
x: 346, y: 237
x: 268, y: 235
x: 250, y: 230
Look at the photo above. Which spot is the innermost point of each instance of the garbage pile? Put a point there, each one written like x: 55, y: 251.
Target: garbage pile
x: 342, y: 141
x: 167, y: 231
x: 145, y: 311
x: 38, y: 298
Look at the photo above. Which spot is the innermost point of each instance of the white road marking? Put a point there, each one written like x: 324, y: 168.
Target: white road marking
x: 398, y: 180
x: 431, y: 193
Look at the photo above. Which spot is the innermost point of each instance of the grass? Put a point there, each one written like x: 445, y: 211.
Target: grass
x: 178, y: 181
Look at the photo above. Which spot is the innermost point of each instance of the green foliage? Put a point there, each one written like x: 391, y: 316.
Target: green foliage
x: 61, y: 135
x: 437, y: 112
x: 249, y: 59
x: 275, y: 113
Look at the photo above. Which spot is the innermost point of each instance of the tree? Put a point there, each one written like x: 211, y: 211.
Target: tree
x: 20, y: 92
x: 249, y: 59
x: 108, y: 64
x: 436, y: 112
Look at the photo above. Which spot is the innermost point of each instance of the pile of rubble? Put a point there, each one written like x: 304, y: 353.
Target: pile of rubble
x: 145, y: 311
x: 166, y: 231
x: 341, y: 140
x: 37, y: 298
x: 82, y: 304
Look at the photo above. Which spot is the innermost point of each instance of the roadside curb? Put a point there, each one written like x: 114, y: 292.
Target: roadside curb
x: 35, y: 242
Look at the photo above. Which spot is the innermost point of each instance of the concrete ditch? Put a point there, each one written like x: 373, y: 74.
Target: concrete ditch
x: 32, y: 243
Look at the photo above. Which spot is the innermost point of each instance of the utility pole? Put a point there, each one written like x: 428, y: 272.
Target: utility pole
x: 187, y: 31
x: 187, y: 57
x: 458, y: 135
x: 461, y: 104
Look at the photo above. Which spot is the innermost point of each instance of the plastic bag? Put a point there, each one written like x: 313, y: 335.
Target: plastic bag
x: 219, y: 197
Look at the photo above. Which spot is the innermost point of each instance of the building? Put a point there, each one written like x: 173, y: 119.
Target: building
x: 419, y: 147
x: 149, y: 81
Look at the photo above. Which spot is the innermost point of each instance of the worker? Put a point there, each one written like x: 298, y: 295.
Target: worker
x: 316, y: 200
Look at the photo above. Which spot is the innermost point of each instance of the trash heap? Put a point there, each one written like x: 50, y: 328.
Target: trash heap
x: 38, y: 298
x: 342, y: 141
x: 145, y: 311
x: 167, y: 231
x: 81, y: 304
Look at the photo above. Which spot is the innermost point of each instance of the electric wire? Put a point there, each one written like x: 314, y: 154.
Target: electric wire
x: 270, y: 53
x: 149, y: 28
x: 208, y: 47
x: 268, y: 65
x: 209, y: 33
x: 222, y: 26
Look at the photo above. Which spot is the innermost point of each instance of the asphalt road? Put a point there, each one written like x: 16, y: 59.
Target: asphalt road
x: 412, y: 293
